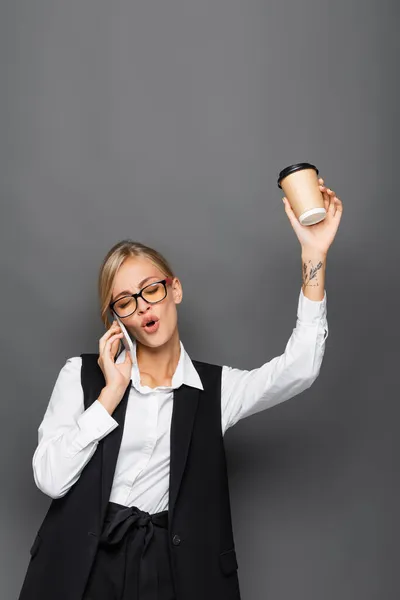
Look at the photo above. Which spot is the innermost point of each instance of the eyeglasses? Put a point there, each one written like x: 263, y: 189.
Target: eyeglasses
x: 152, y: 293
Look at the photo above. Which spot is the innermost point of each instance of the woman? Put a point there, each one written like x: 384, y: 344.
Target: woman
x: 131, y: 446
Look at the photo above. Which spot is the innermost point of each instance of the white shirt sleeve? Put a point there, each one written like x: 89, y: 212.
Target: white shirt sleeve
x: 244, y: 393
x: 68, y: 435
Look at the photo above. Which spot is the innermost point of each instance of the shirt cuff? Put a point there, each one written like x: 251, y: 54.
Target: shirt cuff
x: 95, y: 423
x: 311, y: 311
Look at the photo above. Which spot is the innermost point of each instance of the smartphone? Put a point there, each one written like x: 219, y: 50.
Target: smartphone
x: 126, y: 340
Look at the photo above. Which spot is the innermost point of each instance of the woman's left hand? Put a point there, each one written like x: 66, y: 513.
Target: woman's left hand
x: 317, y: 238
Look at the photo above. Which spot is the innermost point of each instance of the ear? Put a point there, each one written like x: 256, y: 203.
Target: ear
x: 177, y: 290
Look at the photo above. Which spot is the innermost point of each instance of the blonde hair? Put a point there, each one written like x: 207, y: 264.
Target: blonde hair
x: 112, y: 262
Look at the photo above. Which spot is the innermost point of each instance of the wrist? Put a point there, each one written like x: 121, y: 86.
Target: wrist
x: 315, y: 254
x: 313, y: 265
x: 110, y: 397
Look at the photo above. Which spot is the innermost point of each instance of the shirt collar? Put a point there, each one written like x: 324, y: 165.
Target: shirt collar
x: 185, y: 371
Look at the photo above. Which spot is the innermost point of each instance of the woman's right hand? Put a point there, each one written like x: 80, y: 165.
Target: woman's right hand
x: 117, y: 376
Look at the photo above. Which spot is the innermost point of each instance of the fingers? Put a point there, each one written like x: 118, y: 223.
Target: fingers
x: 109, y: 351
x: 327, y: 191
x: 337, y: 213
x: 331, y: 201
x: 110, y: 335
x: 323, y: 188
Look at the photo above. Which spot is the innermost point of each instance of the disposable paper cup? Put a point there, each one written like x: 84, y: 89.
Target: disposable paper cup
x: 301, y: 187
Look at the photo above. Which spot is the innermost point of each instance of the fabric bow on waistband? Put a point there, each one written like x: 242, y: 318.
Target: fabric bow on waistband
x: 126, y: 518
x: 139, y: 582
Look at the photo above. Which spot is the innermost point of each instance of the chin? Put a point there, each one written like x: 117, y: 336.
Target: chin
x: 153, y: 341
x: 156, y: 342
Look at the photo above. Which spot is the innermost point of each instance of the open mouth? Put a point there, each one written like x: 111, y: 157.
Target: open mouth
x: 152, y: 326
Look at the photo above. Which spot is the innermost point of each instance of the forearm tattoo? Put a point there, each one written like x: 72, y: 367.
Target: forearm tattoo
x: 310, y: 273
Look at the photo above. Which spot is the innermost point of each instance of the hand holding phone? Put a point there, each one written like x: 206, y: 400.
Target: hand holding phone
x: 117, y: 376
x: 126, y: 340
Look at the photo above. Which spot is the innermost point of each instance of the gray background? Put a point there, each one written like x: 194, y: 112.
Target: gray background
x: 168, y: 122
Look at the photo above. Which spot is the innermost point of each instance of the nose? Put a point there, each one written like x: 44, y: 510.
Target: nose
x: 143, y: 306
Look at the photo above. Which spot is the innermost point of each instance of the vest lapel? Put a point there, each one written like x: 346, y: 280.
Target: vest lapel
x: 183, y: 413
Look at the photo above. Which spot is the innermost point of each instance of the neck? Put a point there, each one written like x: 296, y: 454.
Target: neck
x: 158, y: 365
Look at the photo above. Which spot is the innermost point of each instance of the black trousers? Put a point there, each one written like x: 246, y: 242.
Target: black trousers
x: 133, y: 559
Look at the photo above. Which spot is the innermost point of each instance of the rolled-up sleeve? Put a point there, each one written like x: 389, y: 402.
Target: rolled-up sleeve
x: 246, y: 392
x: 68, y: 435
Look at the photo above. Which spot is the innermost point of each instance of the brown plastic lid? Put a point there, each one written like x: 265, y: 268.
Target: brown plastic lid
x: 292, y: 168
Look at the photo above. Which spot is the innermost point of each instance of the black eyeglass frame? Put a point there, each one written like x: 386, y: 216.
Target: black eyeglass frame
x: 165, y: 282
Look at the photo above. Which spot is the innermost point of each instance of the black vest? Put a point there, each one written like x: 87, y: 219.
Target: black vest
x: 199, y: 514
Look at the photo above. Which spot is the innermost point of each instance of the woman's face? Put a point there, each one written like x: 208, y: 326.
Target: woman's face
x: 130, y: 278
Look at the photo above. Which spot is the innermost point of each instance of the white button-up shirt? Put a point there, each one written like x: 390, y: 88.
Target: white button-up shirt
x: 68, y: 435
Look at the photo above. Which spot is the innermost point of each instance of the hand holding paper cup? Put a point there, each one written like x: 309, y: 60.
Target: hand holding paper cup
x: 300, y: 185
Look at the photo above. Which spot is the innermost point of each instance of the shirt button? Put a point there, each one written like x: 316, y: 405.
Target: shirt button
x: 176, y: 540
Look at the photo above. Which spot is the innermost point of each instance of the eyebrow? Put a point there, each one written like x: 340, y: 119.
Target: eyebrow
x: 124, y: 292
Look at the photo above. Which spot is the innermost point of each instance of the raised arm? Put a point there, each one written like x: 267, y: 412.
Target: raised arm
x: 244, y: 392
